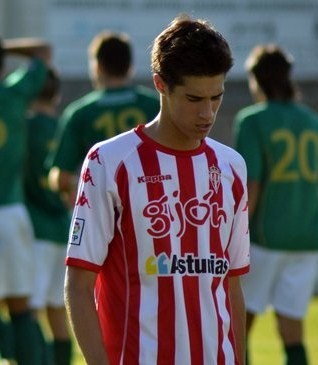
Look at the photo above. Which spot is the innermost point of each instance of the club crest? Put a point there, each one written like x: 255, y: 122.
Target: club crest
x: 215, y: 177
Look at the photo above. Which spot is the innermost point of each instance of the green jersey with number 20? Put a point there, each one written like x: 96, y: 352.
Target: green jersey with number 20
x: 279, y: 142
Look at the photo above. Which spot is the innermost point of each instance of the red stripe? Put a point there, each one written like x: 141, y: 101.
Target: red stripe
x: 130, y: 250
x: 166, y: 302
x: 237, y: 189
x: 240, y: 271
x: 189, y: 244
x: 238, y: 192
x: 216, y: 246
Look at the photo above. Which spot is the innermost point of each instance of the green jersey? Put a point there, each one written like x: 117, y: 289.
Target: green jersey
x: 16, y: 92
x: 279, y: 142
x: 50, y: 217
x: 99, y: 116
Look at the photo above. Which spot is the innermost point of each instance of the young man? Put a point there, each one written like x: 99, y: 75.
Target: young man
x: 160, y: 226
x: 278, y: 137
x: 50, y: 218
x: 16, y: 93
x: 113, y: 107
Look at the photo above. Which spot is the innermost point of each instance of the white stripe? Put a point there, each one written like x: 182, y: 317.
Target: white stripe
x: 226, y: 345
x: 208, y: 314
x: 149, y: 285
x: 182, y: 351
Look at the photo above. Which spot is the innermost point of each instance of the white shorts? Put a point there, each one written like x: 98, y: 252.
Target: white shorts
x: 282, y: 279
x: 16, y: 260
x: 49, y: 267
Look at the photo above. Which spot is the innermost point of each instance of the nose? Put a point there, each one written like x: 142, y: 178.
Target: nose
x: 206, y: 111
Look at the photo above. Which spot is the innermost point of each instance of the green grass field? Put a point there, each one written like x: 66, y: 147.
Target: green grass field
x: 265, y: 344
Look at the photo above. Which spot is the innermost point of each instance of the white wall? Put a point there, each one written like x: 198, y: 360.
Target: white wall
x: 71, y: 24
x: 291, y: 23
x: 23, y: 18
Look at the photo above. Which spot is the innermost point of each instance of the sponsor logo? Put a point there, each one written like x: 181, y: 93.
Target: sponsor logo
x: 163, y: 265
x: 78, y: 227
x: 170, y: 214
x: 153, y: 179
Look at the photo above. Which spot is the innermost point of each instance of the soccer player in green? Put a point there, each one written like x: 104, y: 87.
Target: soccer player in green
x: 50, y: 218
x: 16, y: 92
x: 115, y: 106
x: 278, y: 137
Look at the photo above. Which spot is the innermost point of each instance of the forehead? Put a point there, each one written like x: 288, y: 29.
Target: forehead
x: 202, y: 85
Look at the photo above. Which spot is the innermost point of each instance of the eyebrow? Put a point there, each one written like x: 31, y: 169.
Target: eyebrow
x: 202, y: 97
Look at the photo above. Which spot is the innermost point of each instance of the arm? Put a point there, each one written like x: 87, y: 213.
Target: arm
x: 238, y: 317
x: 28, y: 47
x: 80, y: 305
x: 254, y: 190
x: 65, y: 183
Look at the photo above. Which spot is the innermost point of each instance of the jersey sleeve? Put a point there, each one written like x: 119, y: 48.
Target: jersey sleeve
x: 239, y: 246
x: 92, y: 226
x: 67, y: 155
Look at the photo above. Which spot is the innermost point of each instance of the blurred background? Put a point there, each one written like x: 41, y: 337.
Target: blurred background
x: 71, y: 24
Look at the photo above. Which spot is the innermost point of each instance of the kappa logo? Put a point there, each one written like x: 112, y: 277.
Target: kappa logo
x: 94, y: 155
x: 153, y: 179
x: 87, y: 177
x: 83, y: 200
x: 77, y: 231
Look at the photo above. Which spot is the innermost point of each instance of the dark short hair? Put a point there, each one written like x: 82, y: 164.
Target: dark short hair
x: 271, y: 67
x: 189, y: 48
x: 52, y: 85
x: 113, y: 52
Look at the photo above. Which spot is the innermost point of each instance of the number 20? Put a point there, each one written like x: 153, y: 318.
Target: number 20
x: 295, y: 148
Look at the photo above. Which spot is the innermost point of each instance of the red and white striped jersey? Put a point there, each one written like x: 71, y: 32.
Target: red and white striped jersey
x: 164, y: 229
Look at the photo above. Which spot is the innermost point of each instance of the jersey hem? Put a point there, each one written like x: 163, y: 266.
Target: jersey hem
x: 240, y: 271
x: 71, y: 261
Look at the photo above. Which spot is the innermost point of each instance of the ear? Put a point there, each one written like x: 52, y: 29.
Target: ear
x: 160, y: 85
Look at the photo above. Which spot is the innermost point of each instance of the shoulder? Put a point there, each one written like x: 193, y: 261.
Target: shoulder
x: 81, y: 104
x: 306, y: 110
x: 226, y: 154
x: 146, y: 92
x: 115, y: 150
x: 251, y: 112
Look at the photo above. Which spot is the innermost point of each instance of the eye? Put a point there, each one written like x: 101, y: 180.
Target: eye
x: 193, y: 99
x: 217, y: 97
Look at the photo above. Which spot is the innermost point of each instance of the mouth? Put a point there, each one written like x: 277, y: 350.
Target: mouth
x: 204, y: 127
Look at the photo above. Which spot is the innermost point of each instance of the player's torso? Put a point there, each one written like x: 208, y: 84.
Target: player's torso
x: 12, y: 145
x: 114, y: 112
x: 287, y: 209
x: 49, y: 215
x: 170, y: 255
x: 16, y: 92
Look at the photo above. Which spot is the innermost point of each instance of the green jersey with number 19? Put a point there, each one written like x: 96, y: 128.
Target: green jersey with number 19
x: 279, y: 142
x: 100, y: 115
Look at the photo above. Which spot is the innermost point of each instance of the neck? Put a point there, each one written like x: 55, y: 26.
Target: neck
x: 112, y: 82
x: 44, y: 107
x: 169, y: 137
